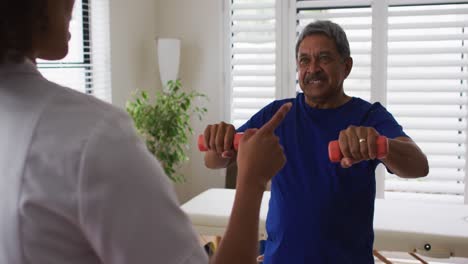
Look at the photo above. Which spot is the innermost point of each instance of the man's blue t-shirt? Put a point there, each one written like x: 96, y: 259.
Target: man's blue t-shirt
x: 318, y: 211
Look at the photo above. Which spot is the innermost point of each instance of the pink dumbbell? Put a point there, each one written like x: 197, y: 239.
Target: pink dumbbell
x: 202, y: 147
x: 335, y: 155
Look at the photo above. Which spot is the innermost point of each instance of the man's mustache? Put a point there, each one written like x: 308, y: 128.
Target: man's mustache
x: 314, y: 76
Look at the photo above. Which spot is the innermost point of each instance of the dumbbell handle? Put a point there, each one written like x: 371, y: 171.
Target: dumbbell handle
x: 335, y: 155
x: 202, y: 147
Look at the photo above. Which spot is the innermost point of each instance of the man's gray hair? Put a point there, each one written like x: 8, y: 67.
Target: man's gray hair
x: 331, y: 30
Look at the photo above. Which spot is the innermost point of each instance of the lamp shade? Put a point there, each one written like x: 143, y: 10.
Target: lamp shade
x: 168, y: 58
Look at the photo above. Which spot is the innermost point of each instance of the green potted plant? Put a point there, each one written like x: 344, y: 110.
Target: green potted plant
x: 164, y: 124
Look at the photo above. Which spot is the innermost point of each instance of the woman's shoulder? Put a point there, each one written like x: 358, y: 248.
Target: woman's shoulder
x: 71, y: 116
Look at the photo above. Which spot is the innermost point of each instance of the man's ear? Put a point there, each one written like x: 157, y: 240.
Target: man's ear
x: 348, y: 66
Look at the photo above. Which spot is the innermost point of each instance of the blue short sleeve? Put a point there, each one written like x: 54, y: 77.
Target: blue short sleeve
x: 261, y: 117
x: 384, y: 122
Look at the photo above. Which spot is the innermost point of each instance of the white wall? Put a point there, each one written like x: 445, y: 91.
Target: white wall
x: 198, y: 25
x: 133, y: 65
x: 134, y: 26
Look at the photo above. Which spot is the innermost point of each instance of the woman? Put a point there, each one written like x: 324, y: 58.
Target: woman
x: 77, y: 184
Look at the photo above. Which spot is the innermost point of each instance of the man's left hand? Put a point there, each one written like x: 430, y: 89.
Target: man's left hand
x: 357, y: 144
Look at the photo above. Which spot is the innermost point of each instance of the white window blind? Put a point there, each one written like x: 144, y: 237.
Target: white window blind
x: 356, y: 20
x: 86, y: 68
x: 252, y: 57
x: 427, y: 93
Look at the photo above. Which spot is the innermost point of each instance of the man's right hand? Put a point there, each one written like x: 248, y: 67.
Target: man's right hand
x: 219, y: 138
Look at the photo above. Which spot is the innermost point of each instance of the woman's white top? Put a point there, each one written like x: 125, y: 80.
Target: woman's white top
x: 76, y: 183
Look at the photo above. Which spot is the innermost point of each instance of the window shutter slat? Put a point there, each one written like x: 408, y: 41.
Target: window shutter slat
x: 331, y: 4
x: 238, y: 17
x: 411, y: 111
x: 424, y: 187
x: 429, y: 63
x: 253, y: 39
x: 427, y: 99
x: 428, y: 87
x: 253, y: 51
x: 262, y: 61
x: 254, y: 73
x: 399, y: 75
x: 251, y: 103
x: 428, y: 50
x: 440, y: 174
x: 260, y: 5
x: 425, y: 197
x: 264, y: 93
x: 419, y: 38
x: 445, y: 162
x: 258, y: 28
x: 421, y: 25
x: 438, y: 123
x: 329, y: 16
x: 253, y: 84
x: 415, y: 13
x: 437, y: 136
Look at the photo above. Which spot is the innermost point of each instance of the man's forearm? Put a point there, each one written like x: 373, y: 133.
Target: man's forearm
x: 240, y: 242
x: 214, y: 160
x: 406, y: 159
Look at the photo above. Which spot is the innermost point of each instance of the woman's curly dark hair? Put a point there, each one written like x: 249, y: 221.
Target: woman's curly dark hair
x: 19, y: 20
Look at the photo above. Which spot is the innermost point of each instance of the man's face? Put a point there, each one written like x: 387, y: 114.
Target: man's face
x: 321, y: 68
